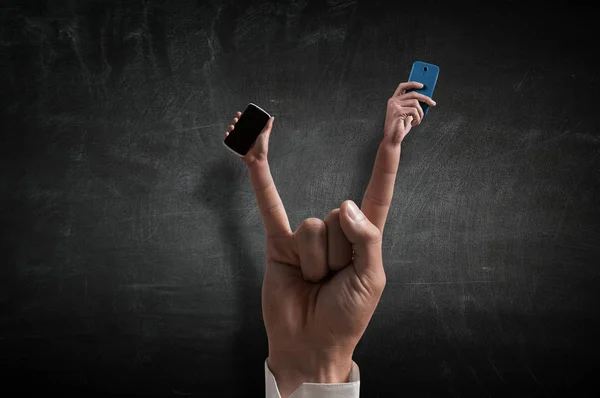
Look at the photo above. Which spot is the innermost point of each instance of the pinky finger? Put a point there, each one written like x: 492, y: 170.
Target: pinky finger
x: 226, y: 134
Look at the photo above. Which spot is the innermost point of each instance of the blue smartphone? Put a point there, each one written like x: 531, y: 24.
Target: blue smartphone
x: 246, y: 130
x: 427, y: 74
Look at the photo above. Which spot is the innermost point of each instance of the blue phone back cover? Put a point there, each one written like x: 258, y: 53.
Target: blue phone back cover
x: 427, y: 74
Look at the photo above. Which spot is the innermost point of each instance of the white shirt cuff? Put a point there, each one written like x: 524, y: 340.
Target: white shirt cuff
x: 317, y: 390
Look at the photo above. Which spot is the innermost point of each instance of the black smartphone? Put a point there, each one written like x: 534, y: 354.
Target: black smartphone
x: 246, y: 130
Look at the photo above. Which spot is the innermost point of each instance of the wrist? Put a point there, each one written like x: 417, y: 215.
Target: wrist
x: 291, y: 369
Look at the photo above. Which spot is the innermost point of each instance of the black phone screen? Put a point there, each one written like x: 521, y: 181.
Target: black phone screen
x: 247, y: 129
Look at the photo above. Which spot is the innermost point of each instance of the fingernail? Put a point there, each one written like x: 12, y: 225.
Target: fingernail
x: 354, y: 212
x: 434, y: 103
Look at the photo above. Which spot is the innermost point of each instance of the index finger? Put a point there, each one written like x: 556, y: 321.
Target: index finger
x: 378, y: 196
x: 402, y: 87
x: 270, y: 204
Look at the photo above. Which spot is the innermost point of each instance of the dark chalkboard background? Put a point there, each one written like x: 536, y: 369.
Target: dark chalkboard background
x: 132, y: 248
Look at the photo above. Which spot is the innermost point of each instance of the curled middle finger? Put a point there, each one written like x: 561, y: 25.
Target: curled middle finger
x: 339, y: 248
x: 311, y: 238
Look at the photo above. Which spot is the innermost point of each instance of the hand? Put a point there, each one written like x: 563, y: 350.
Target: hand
x: 404, y: 112
x: 323, y: 282
x: 260, y: 149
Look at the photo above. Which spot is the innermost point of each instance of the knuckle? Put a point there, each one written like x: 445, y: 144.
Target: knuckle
x: 375, y: 235
x: 372, y: 236
x: 334, y: 215
x: 274, y: 209
x: 377, y: 200
x: 313, y: 224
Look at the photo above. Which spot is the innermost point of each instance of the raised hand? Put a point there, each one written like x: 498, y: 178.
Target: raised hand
x: 323, y: 282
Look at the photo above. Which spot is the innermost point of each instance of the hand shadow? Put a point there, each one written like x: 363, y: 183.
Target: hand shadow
x: 249, y: 347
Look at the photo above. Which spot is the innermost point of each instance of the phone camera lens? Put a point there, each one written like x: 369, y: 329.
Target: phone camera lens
x: 425, y: 68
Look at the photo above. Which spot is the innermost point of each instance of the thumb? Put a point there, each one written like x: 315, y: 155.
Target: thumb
x: 262, y: 141
x: 267, y: 129
x: 365, y: 238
